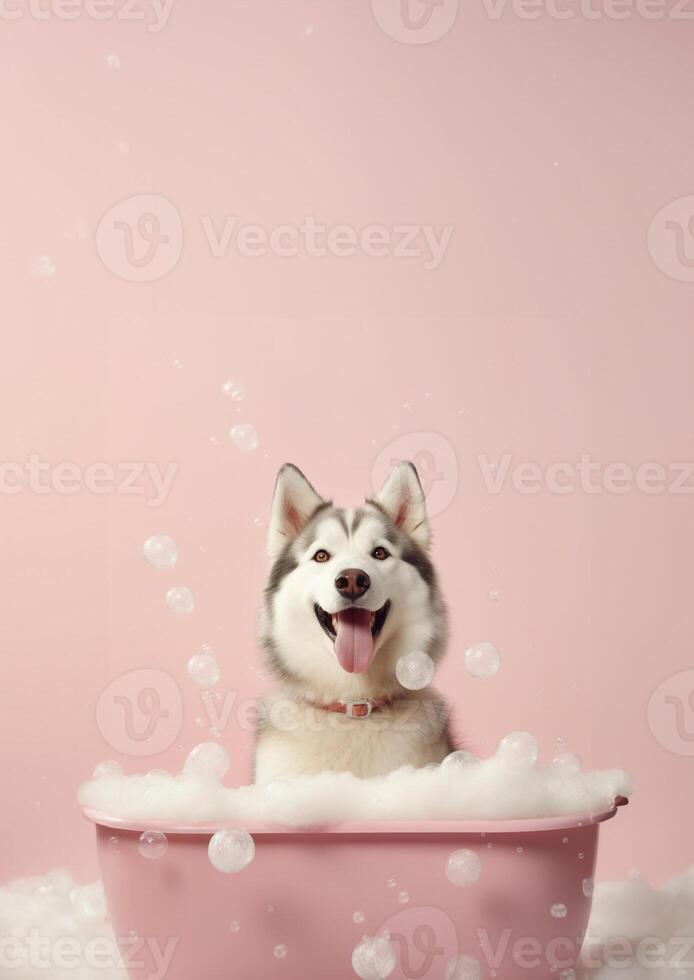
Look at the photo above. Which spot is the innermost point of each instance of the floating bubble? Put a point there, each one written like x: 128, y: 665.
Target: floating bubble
x: 482, y: 660
x: 519, y: 750
x: 113, y: 61
x: 152, y: 844
x: 463, y: 968
x: 233, y: 389
x: 43, y: 267
x: 108, y: 768
x: 373, y: 958
x: 559, y: 911
x: 567, y: 974
x: 494, y: 596
x: 178, y: 364
x: 234, y: 926
x: 180, y: 600
x: 244, y: 437
x: 463, y: 868
x: 161, y: 551
x: 588, y: 885
x: 415, y: 670
x: 231, y: 850
x: 460, y: 760
x: 567, y: 764
x: 403, y: 897
x: 280, y: 951
x: 391, y: 882
x: 358, y: 917
x: 208, y: 759
x: 90, y: 902
x: 203, y: 669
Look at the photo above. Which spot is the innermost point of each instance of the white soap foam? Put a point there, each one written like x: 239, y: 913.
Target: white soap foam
x: 487, y: 789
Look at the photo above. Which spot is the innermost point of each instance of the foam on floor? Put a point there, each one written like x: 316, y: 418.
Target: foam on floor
x: 636, y: 931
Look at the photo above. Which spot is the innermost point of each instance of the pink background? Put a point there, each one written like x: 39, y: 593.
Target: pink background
x: 548, y: 332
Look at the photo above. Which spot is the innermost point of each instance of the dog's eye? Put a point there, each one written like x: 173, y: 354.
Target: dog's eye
x: 321, y: 556
x: 380, y: 554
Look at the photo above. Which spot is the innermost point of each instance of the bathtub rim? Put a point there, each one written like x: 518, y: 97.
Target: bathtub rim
x: 389, y: 828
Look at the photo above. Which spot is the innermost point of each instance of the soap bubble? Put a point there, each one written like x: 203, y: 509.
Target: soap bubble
x: 558, y: 911
x: 280, y: 951
x: 464, y: 968
x: 519, y: 750
x: 244, y: 437
x: 207, y: 759
x: 482, y: 660
x: 43, y: 267
x: 358, y: 917
x: 203, y: 668
x: 231, y: 850
x: 161, y: 551
x: 373, y: 958
x: 415, y: 670
x: 108, y: 768
x: 180, y: 600
x: 567, y: 764
x: 463, y: 868
x: 234, y: 926
x: 233, y: 389
x: 457, y: 761
x: 403, y: 897
x: 567, y: 974
x: 113, y: 61
x: 391, y: 882
x: 90, y: 902
x: 152, y: 844
x: 588, y: 886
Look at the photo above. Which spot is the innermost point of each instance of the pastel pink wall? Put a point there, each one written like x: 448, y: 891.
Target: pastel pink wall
x: 556, y: 326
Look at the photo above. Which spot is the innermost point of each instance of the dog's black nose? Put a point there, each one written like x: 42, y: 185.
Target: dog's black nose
x: 352, y: 583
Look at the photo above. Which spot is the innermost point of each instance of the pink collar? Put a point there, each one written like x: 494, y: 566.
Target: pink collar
x: 357, y: 708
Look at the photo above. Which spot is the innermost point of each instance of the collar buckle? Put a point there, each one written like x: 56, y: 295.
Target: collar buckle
x: 358, y: 708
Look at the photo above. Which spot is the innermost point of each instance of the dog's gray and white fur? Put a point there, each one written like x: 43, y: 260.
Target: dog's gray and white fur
x: 388, y: 540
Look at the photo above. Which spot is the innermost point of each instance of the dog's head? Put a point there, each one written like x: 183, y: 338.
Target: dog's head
x: 350, y: 591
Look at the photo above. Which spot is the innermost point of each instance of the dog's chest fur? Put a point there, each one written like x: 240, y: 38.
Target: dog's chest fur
x: 312, y: 740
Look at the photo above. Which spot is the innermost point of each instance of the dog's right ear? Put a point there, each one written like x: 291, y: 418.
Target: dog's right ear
x: 292, y: 505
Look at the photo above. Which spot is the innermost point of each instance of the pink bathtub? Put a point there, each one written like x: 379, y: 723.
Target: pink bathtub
x: 299, y: 909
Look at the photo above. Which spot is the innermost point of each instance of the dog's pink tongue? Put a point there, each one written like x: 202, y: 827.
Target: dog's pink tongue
x: 354, y: 645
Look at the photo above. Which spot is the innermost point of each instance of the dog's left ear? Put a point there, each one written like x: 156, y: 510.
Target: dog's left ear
x: 292, y: 505
x: 402, y: 497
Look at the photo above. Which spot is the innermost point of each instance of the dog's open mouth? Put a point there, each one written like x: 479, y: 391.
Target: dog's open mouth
x: 353, y: 631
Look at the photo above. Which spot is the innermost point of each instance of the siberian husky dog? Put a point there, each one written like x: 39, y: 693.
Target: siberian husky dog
x: 349, y: 593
